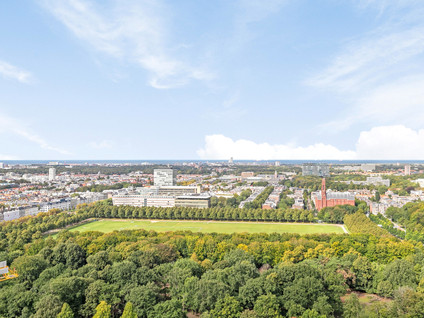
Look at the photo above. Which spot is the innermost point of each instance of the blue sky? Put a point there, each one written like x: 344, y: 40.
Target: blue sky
x: 270, y: 79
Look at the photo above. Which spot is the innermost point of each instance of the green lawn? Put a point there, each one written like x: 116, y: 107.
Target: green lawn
x: 205, y: 226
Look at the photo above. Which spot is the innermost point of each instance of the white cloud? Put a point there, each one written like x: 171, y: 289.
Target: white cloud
x: 101, y: 145
x: 12, y: 125
x: 391, y: 142
x: 221, y: 147
x: 133, y: 31
x: 12, y: 72
x: 380, y: 143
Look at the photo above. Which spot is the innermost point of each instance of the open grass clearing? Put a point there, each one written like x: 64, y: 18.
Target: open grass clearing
x: 110, y: 225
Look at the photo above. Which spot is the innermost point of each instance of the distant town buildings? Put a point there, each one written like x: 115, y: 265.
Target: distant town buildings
x: 377, y: 181
x: 328, y: 198
x: 164, y: 177
x: 420, y: 182
x: 314, y: 169
x: 61, y: 204
x: 272, y: 201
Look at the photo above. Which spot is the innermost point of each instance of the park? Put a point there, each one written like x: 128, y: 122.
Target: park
x: 110, y: 225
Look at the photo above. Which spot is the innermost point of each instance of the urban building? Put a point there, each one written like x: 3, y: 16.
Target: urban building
x: 198, y: 200
x: 144, y: 200
x: 164, y: 177
x: 128, y: 199
x: 1, y: 165
x: 407, y: 170
x: 420, y: 182
x: 313, y: 169
x: 328, y: 198
x: 178, y: 190
x: 247, y: 174
x: 368, y: 167
x: 52, y: 174
x: 378, y: 181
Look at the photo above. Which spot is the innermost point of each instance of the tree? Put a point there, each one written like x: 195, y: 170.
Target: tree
x: 66, y: 312
x: 266, y: 306
x: 29, y: 267
x: 102, y: 310
x: 144, y: 298
x: 129, y: 311
x: 352, y: 308
x: 311, y: 313
x: 168, y: 309
x: 226, y: 307
x: 48, y: 306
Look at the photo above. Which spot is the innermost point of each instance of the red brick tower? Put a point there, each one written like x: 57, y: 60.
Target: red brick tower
x: 323, y: 194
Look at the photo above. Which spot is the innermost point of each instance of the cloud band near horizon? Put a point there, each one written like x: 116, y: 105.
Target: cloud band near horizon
x: 384, y: 142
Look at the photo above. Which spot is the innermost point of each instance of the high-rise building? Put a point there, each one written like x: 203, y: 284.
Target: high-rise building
x: 52, y: 174
x: 277, y: 163
x: 313, y: 169
x: 407, y: 170
x: 1, y: 165
x: 164, y: 177
x: 368, y: 167
x: 231, y: 161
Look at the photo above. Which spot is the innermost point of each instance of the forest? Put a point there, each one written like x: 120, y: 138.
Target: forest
x: 174, y: 274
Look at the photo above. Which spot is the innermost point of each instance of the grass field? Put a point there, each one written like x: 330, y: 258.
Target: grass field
x: 109, y: 225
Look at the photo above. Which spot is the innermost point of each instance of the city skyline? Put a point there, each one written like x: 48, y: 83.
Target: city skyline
x: 251, y: 80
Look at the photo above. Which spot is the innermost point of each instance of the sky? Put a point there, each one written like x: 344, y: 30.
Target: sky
x: 266, y: 79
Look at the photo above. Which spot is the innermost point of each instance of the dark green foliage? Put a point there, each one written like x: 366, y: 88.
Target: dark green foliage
x: 216, y: 275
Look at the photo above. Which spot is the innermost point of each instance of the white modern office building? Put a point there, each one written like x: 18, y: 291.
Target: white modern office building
x: 164, y: 177
x: 52, y: 174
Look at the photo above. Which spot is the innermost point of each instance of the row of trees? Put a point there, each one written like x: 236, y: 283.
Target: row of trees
x: 336, y: 214
x: 360, y: 223
x: 387, y: 225
x: 101, y: 187
x: 260, y: 199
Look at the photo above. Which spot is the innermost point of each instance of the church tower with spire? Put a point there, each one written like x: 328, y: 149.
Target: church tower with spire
x: 323, y: 194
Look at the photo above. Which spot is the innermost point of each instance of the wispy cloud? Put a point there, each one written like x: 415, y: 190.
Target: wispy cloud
x: 250, y: 12
x: 10, y: 71
x: 370, y: 60
x: 380, y: 73
x: 12, y: 125
x: 134, y: 31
